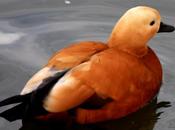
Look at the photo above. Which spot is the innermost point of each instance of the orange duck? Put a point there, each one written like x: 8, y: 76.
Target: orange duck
x: 125, y: 70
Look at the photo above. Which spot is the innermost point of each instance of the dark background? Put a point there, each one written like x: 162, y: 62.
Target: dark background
x: 32, y: 30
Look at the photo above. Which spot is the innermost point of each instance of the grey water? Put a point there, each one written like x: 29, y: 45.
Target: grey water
x: 32, y: 30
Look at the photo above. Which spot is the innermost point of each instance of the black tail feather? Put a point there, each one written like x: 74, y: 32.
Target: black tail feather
x: 31, y: 103
x: 14, y: 99
x: 15, y: 113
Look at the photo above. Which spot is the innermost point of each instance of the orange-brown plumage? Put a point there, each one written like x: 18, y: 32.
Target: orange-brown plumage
x: 124, y: 69
x: 131, y: 82
x: 75, y: 54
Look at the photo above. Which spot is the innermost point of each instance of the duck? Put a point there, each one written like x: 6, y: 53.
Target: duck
x: 97, y: 81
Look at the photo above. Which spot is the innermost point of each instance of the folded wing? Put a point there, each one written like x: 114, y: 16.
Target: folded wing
x: 66, y: 58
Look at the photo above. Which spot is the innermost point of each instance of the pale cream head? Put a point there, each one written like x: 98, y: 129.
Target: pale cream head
x: 134, y: 29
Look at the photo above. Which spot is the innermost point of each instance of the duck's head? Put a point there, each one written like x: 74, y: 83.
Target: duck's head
x: 135, y: 28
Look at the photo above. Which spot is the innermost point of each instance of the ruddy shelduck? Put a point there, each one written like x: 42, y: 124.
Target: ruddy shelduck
x: 97, y: 81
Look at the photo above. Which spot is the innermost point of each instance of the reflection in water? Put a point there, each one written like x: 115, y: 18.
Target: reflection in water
x: 9, y: 38
x: 67, y: 2
x: 143, y: 119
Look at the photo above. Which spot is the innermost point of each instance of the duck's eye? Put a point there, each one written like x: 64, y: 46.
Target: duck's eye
x: 152, y: 23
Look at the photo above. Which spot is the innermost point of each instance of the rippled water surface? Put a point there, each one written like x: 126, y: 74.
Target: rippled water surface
x: 31, y: 30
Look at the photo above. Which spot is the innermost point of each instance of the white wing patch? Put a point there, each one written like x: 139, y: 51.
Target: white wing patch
x: 66, y: 94
x: 38, y: 78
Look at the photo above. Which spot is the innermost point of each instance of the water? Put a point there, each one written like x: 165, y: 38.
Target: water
x: 30, y: 31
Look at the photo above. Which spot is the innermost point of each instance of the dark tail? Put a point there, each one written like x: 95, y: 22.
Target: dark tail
x: 29, y: 104
x: 15, y: 113
x: 14, y: 99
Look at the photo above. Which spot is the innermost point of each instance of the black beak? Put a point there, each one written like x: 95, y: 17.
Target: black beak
x: 166, y: 28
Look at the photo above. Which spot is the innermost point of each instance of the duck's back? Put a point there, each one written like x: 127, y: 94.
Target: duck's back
x: 75, y: 54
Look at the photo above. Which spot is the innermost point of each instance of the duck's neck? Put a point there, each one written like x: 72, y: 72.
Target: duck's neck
x: 126, y: 41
